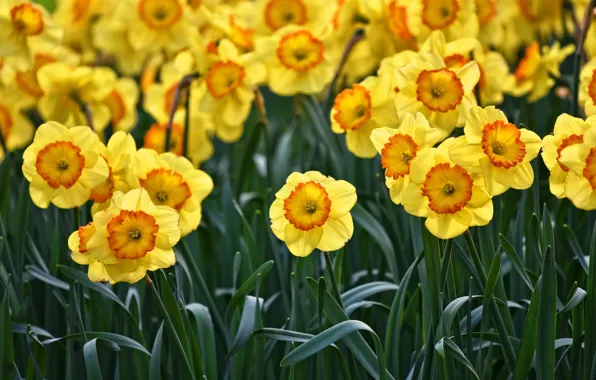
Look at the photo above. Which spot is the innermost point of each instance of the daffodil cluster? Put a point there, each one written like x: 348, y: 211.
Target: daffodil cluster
x: 143, y: 201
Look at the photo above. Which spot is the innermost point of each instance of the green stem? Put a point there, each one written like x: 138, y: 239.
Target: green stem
x: 508, y: 351
x: 334, y: 285
x: 182, y: 86
x: 220, y: 326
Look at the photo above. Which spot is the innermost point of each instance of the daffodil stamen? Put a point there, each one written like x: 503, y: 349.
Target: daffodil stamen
x: 502, y: 143
x: 439, y: 90
x: 26, y: 20
x: 439, y: 14
x: 279, y: 13
x: 308, y: 206
x: 352, y: 107
x: 132, y: 234
x: 300, y: 51
x: 448, y: 188
x: 397, y: 154
x: 60, y: 163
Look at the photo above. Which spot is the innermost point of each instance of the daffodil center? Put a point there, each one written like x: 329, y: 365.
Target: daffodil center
x: 135, y: 234
x: 397, y: 154
x: 352, y: 108
x: 406, y: 157
x: 445, y: 12
x: 310, y: 207
x: 224, y: 77
x: 26, y: 19
x: 63, y: 165
x: 436, y: 92
x: 448, y: 188
x: 159, y: 14
x: 439, y: 90
x: 498, y: 147
x: 300, y: 51
x: 162, y: 196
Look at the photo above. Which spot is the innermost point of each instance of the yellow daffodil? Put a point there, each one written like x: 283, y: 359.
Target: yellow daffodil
x: 455, y: 18
x: 119, y: 155
x: 389, y: 28
x: 173, y: 181
x: 534, y: 74
x: 155, y: 25
x: 360, y: 110
x: 447, y: 195
x: 493, y: 68
x: 122, y: 102
x: 313, y: 211
x: 543, y: 16
x: 66, y: 88
x: 15, y: 128
x: 441, y: 94
x: 111, y: 37
x: 580, y: 160
x: 77, y: 243
x: 133, y: 236
x: 23, y: 24
x: 568, y: 131
x: 587, y: 87
x: 297, y: 61
x: 233, y: 23
x: 398, y: 147
x: 272, y: 15
x: 26, y: 80
x: 497, y: 149
x: 491, y: 17
x: 63, y: 165
x: 227, y: 91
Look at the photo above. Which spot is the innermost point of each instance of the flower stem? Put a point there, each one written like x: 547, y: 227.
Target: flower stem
x: 334, y: 285
x: 356, y: 37
x: 508, y: 351
x: 76, y: 218
x: 183, y: 85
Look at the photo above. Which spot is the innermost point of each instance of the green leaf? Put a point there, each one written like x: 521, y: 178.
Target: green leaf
x: 365, y: 220
x: 120, y: 340
x: 6, y: 339
x: 83, y: 279
x: 446, y: 347
x: 247, y: 326
x: 322, y: 293
x: 515, y: 260
x: 204, y: 327
x: 364, y: 291
x: 92, y: 360
x: 590, y: 306
x: 356, y: 343
x: 332, y: 335
x: 47, y: 278
x: 575, y: 246
x: 450, y: 312
x: 432, y: 259
x: 248, y: 285
x: 155, y: 363
x: 578, y: 296
x: 545, y: 340
x: 528, y: 339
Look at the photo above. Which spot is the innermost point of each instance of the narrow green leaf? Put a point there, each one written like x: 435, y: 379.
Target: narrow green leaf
x: 6, y: 339
x: 247, y: 326
x: 82, y: 279
x: 545, y: 340
x: 575, y: 246
x: 578, y: 296
x: 47, y: 278
x: 515, y: 260
x: 322, y: 293
x: 365, y: 220
x: 92, y: 360
x: 120, y: 340
x: 528, y: 339
x: 590, y: 307
x: 155, y: 363
x: 432, y: 258
x: 248, y: 285
x: 204, y: 327
x: 364, y: 291
x: 446, y: 347
x: 332, y: 335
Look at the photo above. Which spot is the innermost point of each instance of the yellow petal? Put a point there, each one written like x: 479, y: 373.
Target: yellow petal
x: 343, y: 197
x: 580, y: 192
x: 159, y: 259
x: 336, y: 233
x: 302, y: 243
x: 466, y: 154
x: 469, y: 76
x: 414, y: 202
x: 557, y: 181
x: 533, y: 143
x: 380, y: 136
x: 97, y: 272
x: 444, y: 226
x: 493, y: 177
x: 278, y: 219
x: 358, y: 141
x: 168, y: 220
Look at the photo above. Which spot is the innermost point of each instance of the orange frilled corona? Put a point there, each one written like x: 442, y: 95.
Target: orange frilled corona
x: 300, y: 51
x: 501, y: 142
x: 312, y: 211
x: 448, y: 188
x: 166, y: 187
x: 397, y: 154
x: 132, y: 234
x: 439, y: 90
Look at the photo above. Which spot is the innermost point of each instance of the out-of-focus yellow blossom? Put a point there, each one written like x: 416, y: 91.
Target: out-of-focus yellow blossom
x: 491, y: 17
x: 587, y: 87
x: 534, y: 74
x: 313, y: 211
x: 441, y: 94
x: 119, y: 155
x: 543, y: 16
x: 455, y: 54
x: 493, y: 68
x: 111, y: 38
x: 297, y: 60
x: 449, y: 197
x: 77, y: 243
x: 133, y: 236
x: 15, y: 127
x: 272, y: 15
x: 497, y: 149
x: 173, y: 181
x: 389, y: 28
x: 155, y: 138
x: 227, y: 91
x: 347, y: 19
x: 568, y: 131
x: 122, y: 102
x: 63, y: 165
x: 66, y: 88
x: 160, y: 96
x: 234, y: 23
x: 75, y: 17
x: 155, y: 25
x: 359, y: 110
x: 398, y: 147
x: 455, y: 18
x: 580, y: 160
x: 23, y: 24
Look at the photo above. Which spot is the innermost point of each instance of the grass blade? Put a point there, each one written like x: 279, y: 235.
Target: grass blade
x: 545, y: 340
